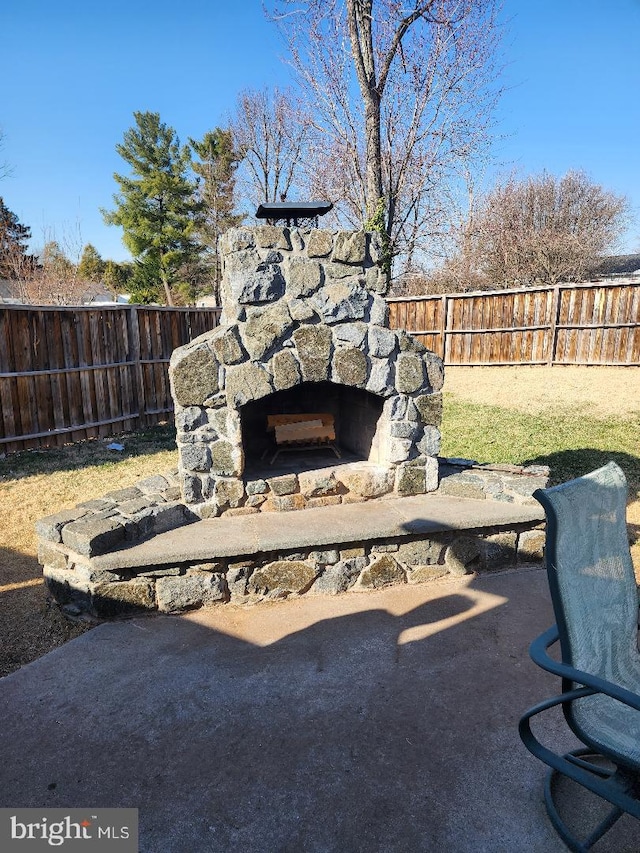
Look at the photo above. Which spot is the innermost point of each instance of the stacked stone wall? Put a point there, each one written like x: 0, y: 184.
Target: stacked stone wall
x: 115, y: 520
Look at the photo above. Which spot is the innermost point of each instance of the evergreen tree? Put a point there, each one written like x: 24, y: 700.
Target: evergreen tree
x: 91, y: 266
x: 55, y: 262
x: 144, y: 284
x: 216, y: 168
x: 114, y: 277
x: 157, y: 207
x: 14, y: 260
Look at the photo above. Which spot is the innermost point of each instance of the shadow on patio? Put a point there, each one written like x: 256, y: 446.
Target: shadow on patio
x: 380, y: 721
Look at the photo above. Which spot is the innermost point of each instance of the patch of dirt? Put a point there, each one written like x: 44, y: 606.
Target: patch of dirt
x: 601, y: 392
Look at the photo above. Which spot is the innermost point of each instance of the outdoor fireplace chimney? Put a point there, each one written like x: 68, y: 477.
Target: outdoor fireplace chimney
x: 304, y: 329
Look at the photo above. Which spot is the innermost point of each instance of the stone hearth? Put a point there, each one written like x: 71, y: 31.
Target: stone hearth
x: 304, y: 329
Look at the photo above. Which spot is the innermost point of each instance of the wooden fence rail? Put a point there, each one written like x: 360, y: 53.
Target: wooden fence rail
x: 68, y: 374
x: 590, y: 324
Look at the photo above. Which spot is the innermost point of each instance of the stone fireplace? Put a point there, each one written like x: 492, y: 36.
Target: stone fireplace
x: 303, y: 340
x: 304, y: 329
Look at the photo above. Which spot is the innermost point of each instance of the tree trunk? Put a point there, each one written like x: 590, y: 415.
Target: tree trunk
x: 359, y: 15
x: 167, y: 289
x: 374, y: 191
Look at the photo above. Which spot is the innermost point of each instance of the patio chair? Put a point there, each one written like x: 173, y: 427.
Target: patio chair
x: 595, y: 601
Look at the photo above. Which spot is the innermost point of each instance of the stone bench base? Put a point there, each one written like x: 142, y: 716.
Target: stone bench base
x: 325, y: 550
x: 361, y: 566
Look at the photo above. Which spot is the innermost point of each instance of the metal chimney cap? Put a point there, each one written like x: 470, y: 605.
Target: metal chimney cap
x: 292, y: 210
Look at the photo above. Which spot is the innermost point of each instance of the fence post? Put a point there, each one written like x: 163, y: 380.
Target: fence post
x: 553, y: 327
x: 443, y: 327
x: 134, y: 350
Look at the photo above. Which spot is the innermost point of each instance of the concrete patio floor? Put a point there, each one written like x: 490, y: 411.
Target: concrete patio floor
x: 376, y: 721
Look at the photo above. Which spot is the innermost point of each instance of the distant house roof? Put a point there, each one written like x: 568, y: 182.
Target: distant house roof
x: 617, y: 265
x: 7, y: 295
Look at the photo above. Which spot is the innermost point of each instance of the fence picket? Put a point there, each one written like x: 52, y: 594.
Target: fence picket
x: 592, y: 323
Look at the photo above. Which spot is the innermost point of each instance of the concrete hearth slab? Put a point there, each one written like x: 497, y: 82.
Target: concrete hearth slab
x: 333, y: 525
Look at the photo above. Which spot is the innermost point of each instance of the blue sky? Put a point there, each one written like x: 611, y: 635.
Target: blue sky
x: 75, y: 71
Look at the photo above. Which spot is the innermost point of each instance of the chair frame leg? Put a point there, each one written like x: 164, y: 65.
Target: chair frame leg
x: 614, y: 776
x: 619, y: 787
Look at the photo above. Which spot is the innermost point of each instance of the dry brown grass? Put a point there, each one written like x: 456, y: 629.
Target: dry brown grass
x: 35, y: 484
x: 601, y: 392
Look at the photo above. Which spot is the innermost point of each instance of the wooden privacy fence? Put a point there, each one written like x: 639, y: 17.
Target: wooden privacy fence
x: 594, y: 324
x: 68, y: 374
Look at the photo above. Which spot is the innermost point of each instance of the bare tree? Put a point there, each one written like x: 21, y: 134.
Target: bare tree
x: 18, y: 270
x: 55, y: 275
x: 55, y: 279
x: 542, y: 229
x: 452, y: 263
x: 271, y: 132
x: 403, y: 95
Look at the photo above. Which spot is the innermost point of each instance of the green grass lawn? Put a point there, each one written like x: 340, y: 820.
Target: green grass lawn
x: 92, y: 453
x: 570, y: 442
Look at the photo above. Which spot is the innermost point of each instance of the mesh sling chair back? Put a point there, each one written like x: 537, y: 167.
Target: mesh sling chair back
x: 595, y: 602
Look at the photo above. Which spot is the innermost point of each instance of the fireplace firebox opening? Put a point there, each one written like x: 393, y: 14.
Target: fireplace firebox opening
x: 355, y: 414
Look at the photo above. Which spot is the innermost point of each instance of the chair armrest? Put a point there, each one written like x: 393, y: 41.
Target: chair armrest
x: 538, y: 653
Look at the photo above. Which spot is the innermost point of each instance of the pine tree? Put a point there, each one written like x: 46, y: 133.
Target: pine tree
x: 114, y: 277
x: 216, y: 169
x: 91, y: 266
x: 144, y: 285
x: 157, y: 207
x: 14, y: 237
